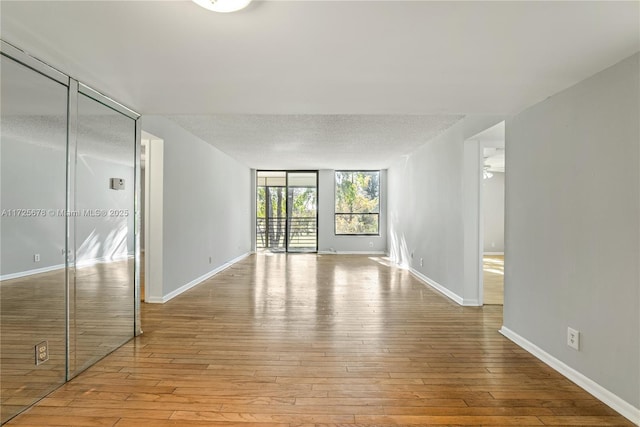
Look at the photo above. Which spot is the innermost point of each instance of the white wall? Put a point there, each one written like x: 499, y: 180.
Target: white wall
x: 110, y: 237
x: 572, y: 228
x: 429, y: 193
x: 206, y: 205
x: 493, y: 212
x: 425, y: 206
x: 33, y: 177
x: 328, y: 241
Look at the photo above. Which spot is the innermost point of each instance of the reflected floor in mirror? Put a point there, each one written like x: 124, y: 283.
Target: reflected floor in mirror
x: 281, y: 340
x: 33, y: 310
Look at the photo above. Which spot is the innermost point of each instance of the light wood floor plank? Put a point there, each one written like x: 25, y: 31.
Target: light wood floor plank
x: 493, y: 279
x: 322, y: 341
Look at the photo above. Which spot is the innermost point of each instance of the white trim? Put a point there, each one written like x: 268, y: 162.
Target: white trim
x: 437, y: 286
x: 352, y: 253
x: 625, y: 409
x: 446, y: 292
x: 153, y: 218
x: 493, y: 253
x: 31, y: 272
x: 81, y: 264
x: 197, y: 281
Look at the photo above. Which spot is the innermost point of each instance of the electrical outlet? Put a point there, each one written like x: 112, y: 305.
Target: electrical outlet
x: 36, y: 258
x: 370, y: 244
x: 573, y: 338
x: 42, y: 352
x: 421, y: 262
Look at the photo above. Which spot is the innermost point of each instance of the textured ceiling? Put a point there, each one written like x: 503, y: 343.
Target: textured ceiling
x: 438, y: 60
x: 315, y: 141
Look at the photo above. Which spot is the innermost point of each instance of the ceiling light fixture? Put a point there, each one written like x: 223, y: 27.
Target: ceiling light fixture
x: 486, y: 173
x: 223, y: 6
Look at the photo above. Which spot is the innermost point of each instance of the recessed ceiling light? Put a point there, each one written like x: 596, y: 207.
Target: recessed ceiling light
x: 223, y: 6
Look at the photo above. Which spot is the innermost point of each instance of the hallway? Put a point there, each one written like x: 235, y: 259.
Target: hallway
x: 303, y: 340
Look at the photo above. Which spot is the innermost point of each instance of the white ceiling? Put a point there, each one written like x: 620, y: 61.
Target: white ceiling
x: 416, y: 66
x: 316, y: 141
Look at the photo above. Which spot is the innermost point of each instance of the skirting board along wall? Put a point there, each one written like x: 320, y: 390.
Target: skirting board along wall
x: 377, y: 253
x: 616, y: 403
x: 80, y: 264
x: 444, y: 291
x: 196, y: 281
x: 31, y: 272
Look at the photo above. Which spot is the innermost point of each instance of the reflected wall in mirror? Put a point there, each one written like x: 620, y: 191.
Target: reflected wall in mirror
x: 67, y: 259
x: 101, y: 296
x: 33, y: 147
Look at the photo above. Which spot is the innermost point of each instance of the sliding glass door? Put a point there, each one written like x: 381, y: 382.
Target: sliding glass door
x: 271, y: 212
x: 302, y: 211
x: 287, y: 214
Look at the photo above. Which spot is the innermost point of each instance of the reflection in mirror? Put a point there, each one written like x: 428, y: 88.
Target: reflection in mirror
x: 102, y: 296
x: 32, y: 235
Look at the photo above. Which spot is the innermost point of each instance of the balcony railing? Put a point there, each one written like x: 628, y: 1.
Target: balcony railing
x: 271, y: 233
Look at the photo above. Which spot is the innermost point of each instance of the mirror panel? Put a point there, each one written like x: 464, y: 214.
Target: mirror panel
x: 33, y: 153
x: 101, y: 315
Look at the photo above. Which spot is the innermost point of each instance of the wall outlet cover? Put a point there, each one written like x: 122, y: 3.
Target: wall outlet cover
x: 573, y: 338
x: 42, y: 352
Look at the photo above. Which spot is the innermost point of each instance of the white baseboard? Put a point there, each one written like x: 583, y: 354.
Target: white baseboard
x: 378, y: 253
x: 196, y: 281
x: 621, y: 406
x: 493, y: 253
x: 31, y: 272
x: 79, y: 264
x: 437, y: 286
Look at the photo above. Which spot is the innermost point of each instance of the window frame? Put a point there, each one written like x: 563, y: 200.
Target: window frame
x: 336, y: 214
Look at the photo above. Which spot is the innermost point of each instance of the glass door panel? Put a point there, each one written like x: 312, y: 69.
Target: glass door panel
x: 33, y: 147
x: 271, y: 212
x: 302, y: 211
x: 286, y: 211
x: 101, y: 306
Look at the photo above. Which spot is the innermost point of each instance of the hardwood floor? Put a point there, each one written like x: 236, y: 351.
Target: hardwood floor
x: 32, y: 310
x: 493, y: 279
x: 308, y: 340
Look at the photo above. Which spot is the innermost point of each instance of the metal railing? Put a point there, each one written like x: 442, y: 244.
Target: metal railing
x: 270, y: 233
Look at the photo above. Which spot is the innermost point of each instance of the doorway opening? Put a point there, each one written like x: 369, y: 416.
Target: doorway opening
x: 151, y: 208
x: 287, y: 211
x: 484, y: 197
x: 492, y: 193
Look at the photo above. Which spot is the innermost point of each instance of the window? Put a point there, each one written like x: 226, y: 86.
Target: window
x: 357, y: 202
